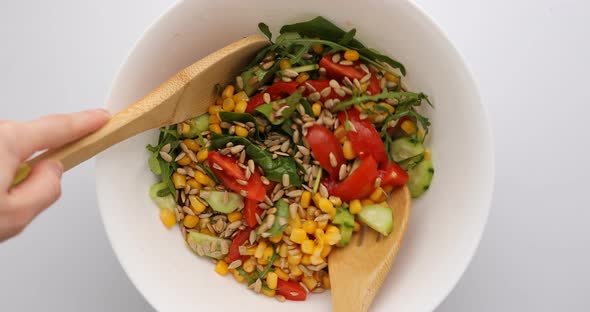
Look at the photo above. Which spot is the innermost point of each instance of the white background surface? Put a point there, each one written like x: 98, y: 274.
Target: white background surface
x: 529, y: 57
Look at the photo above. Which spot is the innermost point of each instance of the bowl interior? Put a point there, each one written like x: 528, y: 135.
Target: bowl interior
x: 445, y: 225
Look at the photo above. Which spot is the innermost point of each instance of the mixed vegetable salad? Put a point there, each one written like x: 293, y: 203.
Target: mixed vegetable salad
x: 293, y: 158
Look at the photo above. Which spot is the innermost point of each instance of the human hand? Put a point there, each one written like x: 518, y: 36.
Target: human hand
x: 19, y: 205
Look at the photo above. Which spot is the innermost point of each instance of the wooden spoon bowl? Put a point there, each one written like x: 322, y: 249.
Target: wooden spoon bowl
x: 358, y: 270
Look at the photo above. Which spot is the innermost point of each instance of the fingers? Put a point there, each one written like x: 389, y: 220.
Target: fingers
x: 57, y: 130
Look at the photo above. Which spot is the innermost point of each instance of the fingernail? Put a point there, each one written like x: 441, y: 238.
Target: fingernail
x: 58, y: 167
x: 103, y: 111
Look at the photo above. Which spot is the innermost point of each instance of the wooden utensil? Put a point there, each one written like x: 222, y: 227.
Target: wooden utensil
x: 358, y: 270
x: 187, y: 94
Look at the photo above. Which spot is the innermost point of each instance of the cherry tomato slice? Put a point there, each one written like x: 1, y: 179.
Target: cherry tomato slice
x: 291, y: 290
x: 364, y: 137
x: 374, y: 84
x: 360, y: 184
x: 323, y: 143
x: 393, y: 174
x: 277, y: 90
x: 239, y: 240
x: 254, y: 189
x: 251, y: 209
x: 335, y: 70
x: 228, y: 164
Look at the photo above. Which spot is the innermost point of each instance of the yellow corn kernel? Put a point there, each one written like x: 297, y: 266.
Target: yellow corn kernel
x: 277, y: 238
x: 202, y: 155
x: 302, y: 77
x: 347, y: 150
x: 351, y: 55
x: 221, y: 267
x: 325, y: 205
x: 295, y: 271
x: 307, y: 246
x: 260, y: 249
x: 367, y: 202
x: 263, y: 261
x: 240, y: 96
x: 309, y: 282
x: 305, y: 198
x: 268, y: 252
x: 190, y: 221
x: 185, y: 128
x: 388, y: 188
x: 298, y: 236
x: 214, y: 119
x: 285, y: 63
x: 340, y: 132
x: 241, y: 107
x: 283, y: 249
x: 201, y: 177
x: 391, y: 77
x: 319, y: 235
x: 309, y: 226
x: 228, y: 105
x: 333, y: 238
x: 249, y: 265
x: 268, y: 292
x: 336, y: 201
x: 207, y: 232
x: 167, y: 217
x: 355, y: 206
x: 326, y: 281
x: 316, y: 108
x: 427, y: 154
x: 184, y: 161
x: 317, y: 48
x: 378, y: 195
x: 316, y: 260
x: 191, y: 144
x: 357, y: 226
x: 197, y: 206
x: 228, y: 92
x: 322, y: 224
x: 316, y: 199
x: 306, y: 260
x: 294, y: 259
x: 390, y: 108
x: 214, y: 109
x: 194, y: 184
x: 332, y: 229
x: 241, y: 131
x: 281, y: 274
x: 215, y: 128
x: 326, y: 251
x: 234, y: 216
x: 179, y: 180
x: 239, y: 278
x: 409, y: 126
x: 271, y: 280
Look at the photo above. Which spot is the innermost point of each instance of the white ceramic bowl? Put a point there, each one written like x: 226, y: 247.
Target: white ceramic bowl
x: 445, y: 226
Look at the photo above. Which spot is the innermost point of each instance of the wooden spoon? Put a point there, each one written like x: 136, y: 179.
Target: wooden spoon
x: 187, y: 94
x: 358, y: 270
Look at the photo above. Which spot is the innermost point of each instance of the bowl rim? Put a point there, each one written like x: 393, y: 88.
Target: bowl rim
x: 487, y: 198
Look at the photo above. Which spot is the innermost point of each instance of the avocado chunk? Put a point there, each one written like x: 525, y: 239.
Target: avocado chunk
x: 405, y: 148
x: 163, y: 202
x: 203, y: 244
x: 197, y: 125
x: 345, y: 220
x: 281, y: 218
x: 377, y: 217
x: 420, y: 178
x: 217, y: 201
x: 346, y: 234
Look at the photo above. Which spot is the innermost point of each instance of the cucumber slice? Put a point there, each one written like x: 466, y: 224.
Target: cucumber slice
x: 404, y: 148
x: 420, y: 178
x: 377, y: 217
x: 411, y: 162
x: 202, y: 240
x: 346, y: 234
x: 343, y: 217
x: 164, y: 202
x: 216, y: 200
x: 198, y: 125
x: 154, y: 164
x: 282, y: 214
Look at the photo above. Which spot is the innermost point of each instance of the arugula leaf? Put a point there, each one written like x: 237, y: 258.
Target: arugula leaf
x: 265, y: 30
x: 273, y: 168
x: 375, y: 55
x: 291, y: 102
x: 347, y: 38
x: 320, y: 27
x: 400, y: 96
x: 269, y: 267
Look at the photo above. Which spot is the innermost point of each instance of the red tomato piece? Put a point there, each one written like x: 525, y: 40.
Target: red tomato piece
x: 360, y: 184
x: 254, y: 189
x: 251, y: 209
x: 239, y: 240
x: 364, y: 138
x: 291, y: 290
x: 228, y: 164
x: 277, y: 90
x: 374, y: 84
x: 340, y: 71
x: 323, y: 143
x: 393, y: 174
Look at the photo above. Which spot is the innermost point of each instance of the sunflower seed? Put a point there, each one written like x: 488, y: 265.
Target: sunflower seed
x: 363, y: 116
x: 342, y: 172
x: 244, y: 193
x: 322, y: 217
x: 240, y: 82
x: 326, y: 91
x: 188, y: 211
x: 310, y: 87
x: 304, y: 287
x: 377, y: 182
x: 333, y: 161
x: 166, y: 148
x: 318, y: 290
x: 165, y: 156
x: 285, y: 180
x: 235, y: 264
x: 285, y: 146
x: 346, y: 63
x: 365, y: 68
x: 294, y: 251
x: 266, y: 98
x: 305, y: 270
x: 340, y: 92
x: 324, y: 191
x: 290, y: 73
x: 295, y: 193
x: 179, y: 157
x: 242, y: 182
x: 267, y: 65
x: 334, y: 84
x: 278, y: 195
x: 366, y: 78
x: 336, y: 58
x: 218, y: 167
x: 293, y: 210
x: 236, y: 149
x: 391, y: 84
x: 318, y: 267
x: 265, y: 181
x: 314, y: 97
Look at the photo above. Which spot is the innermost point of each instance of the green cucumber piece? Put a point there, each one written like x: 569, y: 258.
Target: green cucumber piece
x: 405, y: 148
x: 198, y: 124
x: 282, y: 213
x: 346, y: 234
x: 163, y: 202
x: 154, y: 164
x: 343, y: 217
x: 201, y: 239
x: 377, y: 217
x: 216, y: 200
x: 411, y: 162
x: 420, y: 178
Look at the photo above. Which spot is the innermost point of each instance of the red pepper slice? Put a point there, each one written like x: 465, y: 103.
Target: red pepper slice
x: 277, y: 90
x: 291, y: 290
x: 393, y: 174
x: 251, y: 209
x: 336, y: 70
x: 323, y: 143
x: 239, y: 240
x: 364, y: 137
x: 228, y: 164
x: 255, y: 189
x: 320, y: 85
x: 360, y: 184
